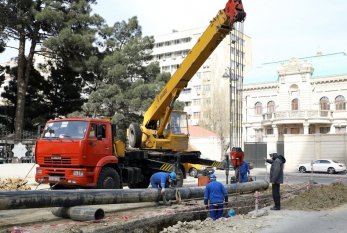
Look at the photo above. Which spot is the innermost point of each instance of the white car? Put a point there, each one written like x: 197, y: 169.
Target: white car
x: 322, y: 165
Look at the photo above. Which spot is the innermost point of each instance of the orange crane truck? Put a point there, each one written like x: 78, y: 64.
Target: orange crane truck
x: 84, y: 152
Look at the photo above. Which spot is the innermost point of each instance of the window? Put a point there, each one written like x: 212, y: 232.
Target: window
x: 270, y: 107
x: 92, y: 132
x: 196, y: 115
x: 186, y: 91
x: 324, y: 130
x: 196, y: 101
x: 270, y: 131
x: 324, y: 103
x: 295, y: 104
x: 207, y: 88
x: 340, y: 129
x: 258, y: 108
x: 340, y: 103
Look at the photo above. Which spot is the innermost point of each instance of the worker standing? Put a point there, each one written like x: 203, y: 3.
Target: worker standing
x: 162, y: 180
x: 215, y: 195
x: 276, y: 177
x: 244, y: 172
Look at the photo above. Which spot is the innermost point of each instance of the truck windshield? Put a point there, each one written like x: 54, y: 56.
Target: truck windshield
x: 65, y: 129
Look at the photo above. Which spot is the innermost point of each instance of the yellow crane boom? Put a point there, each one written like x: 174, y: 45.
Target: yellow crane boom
x: 151, y: 134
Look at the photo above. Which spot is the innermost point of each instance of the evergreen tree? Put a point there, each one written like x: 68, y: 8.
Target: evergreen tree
x: 65, y: 27
x: 129, y: 82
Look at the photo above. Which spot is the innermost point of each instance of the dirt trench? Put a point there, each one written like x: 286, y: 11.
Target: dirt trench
x: 190, y: 216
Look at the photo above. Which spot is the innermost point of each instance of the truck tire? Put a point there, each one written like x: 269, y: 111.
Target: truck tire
x: 108, y: 179
x: 135, y: 135
x: 193, y: 172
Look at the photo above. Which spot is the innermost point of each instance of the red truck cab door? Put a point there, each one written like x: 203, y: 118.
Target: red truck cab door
x: 97, y: 148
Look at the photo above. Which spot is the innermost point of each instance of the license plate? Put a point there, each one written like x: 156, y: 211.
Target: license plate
x: 54, y: 178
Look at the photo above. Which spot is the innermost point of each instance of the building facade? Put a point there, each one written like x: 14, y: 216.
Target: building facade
x: 299, y: 102
x: 199, y: 96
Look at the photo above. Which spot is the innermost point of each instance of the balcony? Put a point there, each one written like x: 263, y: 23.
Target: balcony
x: 285, y: 117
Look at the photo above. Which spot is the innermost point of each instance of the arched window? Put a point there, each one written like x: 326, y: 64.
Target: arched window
x: 258, y: 108
x: 324, y: 103
x: 270, y: 107
x: 295, y: 104
x: 340, y: 103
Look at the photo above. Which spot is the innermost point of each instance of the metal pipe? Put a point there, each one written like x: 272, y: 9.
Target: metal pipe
x: 79, y: 213
x: 68, y: 198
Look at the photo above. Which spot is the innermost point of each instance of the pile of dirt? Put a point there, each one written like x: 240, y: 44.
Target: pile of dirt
x: 14, y: 184
x: 318, y: 198
x: 294, y: 197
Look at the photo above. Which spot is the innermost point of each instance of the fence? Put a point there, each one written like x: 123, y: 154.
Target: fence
x: 7, y: 143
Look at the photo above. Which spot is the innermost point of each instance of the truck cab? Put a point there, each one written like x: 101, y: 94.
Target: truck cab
x: 71, y: 151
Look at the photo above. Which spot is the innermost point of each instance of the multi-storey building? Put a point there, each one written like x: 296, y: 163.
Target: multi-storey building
x: 299, y: 103
x: 200, y: 94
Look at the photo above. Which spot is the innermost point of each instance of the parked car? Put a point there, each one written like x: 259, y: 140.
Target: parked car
x: 322, y: 165
x: 195, y: 169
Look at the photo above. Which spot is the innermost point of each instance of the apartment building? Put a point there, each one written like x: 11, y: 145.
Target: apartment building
x: 200, y: 96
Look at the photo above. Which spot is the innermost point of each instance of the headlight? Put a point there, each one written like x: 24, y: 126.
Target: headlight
x: 38, y: 171
x: 78, y: 173
x: 203, y: 167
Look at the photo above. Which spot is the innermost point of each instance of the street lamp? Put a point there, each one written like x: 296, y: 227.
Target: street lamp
x: 230, y: 74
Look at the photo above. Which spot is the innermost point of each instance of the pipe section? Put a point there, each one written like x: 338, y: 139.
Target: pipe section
x: 68, y: 198
x: 79, y: 213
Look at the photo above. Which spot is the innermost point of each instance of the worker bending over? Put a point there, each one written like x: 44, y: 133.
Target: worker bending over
x: 162, y: 180
x: 215, y: 195
x: 244, y: 172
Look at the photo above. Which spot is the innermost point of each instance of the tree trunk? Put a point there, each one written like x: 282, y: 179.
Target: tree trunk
x: 24, y: 70
x: 21, y: 88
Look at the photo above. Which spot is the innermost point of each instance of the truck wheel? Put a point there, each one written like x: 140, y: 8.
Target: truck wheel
x: 135, y: 135
x: 108, y: 179
x: 193, y: 172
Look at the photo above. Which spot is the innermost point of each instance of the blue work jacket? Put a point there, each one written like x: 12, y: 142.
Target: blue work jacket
x: 159, y: 179
x: 215, y: 192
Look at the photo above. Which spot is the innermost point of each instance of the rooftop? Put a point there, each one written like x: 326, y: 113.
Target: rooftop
x: 328, y: 65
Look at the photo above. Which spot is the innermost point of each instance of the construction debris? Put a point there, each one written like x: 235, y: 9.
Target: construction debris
x: 14, y: 184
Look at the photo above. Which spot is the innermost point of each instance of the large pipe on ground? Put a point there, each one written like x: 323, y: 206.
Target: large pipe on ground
x: 68, y: 198
x: 79, y: 213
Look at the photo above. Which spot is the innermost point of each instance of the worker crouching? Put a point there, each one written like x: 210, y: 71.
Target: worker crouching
x: 214, y: 197
x: 162, y: 180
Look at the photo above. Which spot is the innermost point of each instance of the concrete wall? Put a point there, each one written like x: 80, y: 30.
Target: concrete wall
x: 210, y: 147
x: 305, y: 148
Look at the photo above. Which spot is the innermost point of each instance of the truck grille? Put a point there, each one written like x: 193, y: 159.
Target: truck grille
x: 49, y: 160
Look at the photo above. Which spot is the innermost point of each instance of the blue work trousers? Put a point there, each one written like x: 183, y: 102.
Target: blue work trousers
x: 216, y: 211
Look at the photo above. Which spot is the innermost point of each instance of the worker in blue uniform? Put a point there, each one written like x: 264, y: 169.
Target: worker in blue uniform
x: 244, y: 172
x: 162, y: 180
x: 214, y: 197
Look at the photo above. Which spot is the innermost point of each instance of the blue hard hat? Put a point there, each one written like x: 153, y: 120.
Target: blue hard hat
x: 231, y: 212
x: 172, y: 176
x: 212, y: 176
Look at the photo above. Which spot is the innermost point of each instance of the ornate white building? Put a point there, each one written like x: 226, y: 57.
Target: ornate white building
x: 298, y: 102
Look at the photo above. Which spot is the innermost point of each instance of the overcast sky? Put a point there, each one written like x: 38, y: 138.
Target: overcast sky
x: 280, y: 29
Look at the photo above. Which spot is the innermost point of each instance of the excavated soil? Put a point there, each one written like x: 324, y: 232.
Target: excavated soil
x: 318, y: 198
x: 298, y: 197
x: 190, y: 216
x: 14, y: 184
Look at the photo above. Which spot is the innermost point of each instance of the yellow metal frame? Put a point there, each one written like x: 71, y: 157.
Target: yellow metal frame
x: 158, y: 113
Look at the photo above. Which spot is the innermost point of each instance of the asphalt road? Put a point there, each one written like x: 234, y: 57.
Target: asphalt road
x: 290, y: 177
